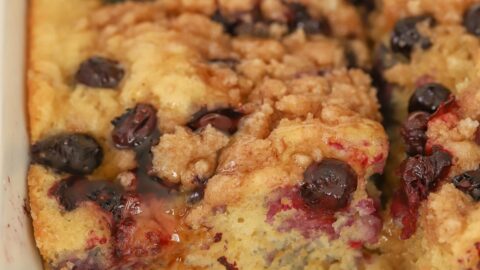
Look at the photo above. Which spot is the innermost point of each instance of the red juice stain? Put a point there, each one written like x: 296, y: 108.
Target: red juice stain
x: 306, y: 220
x: 94, y: 240
x: 228, y: 266
x: 407, y: 215
x: 217, y: 238
x: 336, y: 144
x: 355, y: 244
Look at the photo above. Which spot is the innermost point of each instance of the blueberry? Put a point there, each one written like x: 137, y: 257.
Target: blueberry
x: 328, y: 184
x: 135, y: 126
x: 100, y: 72
x: 428, y: 98
x: 74, y: 190
x: 471, y: 20
x: 70, y: 153
x: 225, y: 120
x: 414, y: 133
x: 405, y: 35
x: 469, y: 183
x: 420, y: 174
x: 105, y: 194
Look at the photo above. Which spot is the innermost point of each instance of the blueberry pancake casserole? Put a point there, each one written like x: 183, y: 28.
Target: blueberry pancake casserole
x: 252, y: 134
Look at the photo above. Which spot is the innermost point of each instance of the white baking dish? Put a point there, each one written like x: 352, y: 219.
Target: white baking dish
x: 17, y: 247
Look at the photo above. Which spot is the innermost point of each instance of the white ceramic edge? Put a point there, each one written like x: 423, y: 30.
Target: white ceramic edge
x: 17, y: 247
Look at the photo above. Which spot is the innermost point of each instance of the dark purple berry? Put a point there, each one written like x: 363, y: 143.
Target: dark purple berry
x: 72, y: 191
x: 225, y: 120
x: 100, y: 72
x: 328, y: 184
x: 105, y: 194
x: 441, y: 161
x: 414, y: 133
x: 405, y: 35
x: 469, y: 183
x: 70, y: 153
x: 471, y: 20
x: 421, y: 174
x: 300, y: 19
x: 428, y: 98
x: 65, y: 195
x: 135, y: 126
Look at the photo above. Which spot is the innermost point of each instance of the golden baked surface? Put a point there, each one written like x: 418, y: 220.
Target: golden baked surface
x: 177, y: 135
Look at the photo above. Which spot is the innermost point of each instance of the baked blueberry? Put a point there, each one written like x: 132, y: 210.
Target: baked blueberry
x: 406, y: 36
x: 469, y: 183
x: 328, y: 184
x: 135, y: 126
x: 72, y: 191
x: 421, y: 174
x: 70, y: 153
x: 414, y: 133
x: 100, y: 72
x: 225, y: 120
x: 428, y: 98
